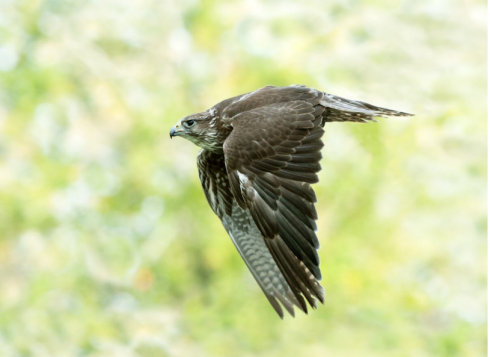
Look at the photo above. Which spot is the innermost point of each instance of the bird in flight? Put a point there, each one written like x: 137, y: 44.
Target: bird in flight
x: 260, y: 154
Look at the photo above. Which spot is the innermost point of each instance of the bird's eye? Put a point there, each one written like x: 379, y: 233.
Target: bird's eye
x: 189, y: 123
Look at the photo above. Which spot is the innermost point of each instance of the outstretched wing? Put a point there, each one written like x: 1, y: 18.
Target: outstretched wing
x: 243, y: 232
x: 272, y: 156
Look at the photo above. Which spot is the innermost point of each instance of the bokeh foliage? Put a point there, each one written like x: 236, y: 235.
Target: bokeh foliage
x: 107, y: 245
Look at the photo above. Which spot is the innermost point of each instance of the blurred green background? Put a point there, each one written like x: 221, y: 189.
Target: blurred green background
x: 107, y: 244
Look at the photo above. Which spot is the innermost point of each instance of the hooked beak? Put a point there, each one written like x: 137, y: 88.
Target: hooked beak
x: 175, y: 131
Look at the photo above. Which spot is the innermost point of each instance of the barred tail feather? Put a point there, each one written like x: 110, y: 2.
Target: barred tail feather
x: 341, y: 109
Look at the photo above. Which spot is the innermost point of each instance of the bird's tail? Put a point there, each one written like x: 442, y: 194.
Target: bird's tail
x: 341, y: 109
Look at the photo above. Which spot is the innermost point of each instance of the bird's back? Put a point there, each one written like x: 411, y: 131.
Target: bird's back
x: 336, y: 109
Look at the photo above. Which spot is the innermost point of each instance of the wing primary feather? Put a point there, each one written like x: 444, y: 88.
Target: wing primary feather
x: 309, y: 285
x: 300, y: 237
x: 302, y: 190
x: 269, y: 197
x: 300, y: 208
x: 292, y: 271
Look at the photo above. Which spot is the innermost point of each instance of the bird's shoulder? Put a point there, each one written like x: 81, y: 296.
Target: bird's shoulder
x: 266, y: 96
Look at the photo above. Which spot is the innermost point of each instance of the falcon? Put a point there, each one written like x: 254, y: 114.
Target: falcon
x: 261, y: 152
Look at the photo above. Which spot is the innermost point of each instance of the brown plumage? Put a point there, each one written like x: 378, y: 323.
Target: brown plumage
x: 261, y: 151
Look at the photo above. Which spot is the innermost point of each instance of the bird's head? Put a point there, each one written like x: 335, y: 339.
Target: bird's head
x: 200, y: 128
